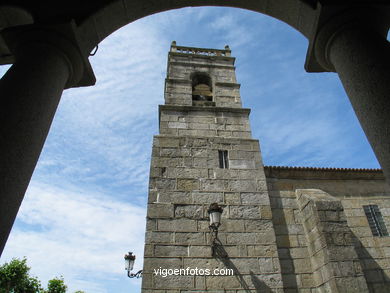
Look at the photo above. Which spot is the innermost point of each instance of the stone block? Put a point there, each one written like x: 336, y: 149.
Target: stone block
x: 158, y: 237
x: 222, y: 282
x: 182, y: 282
x: 189, y: 211
x: 268, y: 265
x: 187, y: 184
x: 162, y: 184
x: 181, y: 125
x: 242, y: 185
x: 158, y: 210
x: 260, y: 198
x: 207, y: 197
x: 151, y: 224
x: 287, y: 241
x: 229, y: 225
x: 171, y: 250
x: 190, y: 238
x: 265, y: 212
x: 241, y: 164
x: 200, y: 251
x: 177, y: 225
x: 149, y: 250
x: 232, y: 198
x: 247, y: 264
x: 151, y: 263
x: 244, y: 212
x: 200, y: 163
x: 160, y: 141
x: 177, y: 197
x: 283, y: 216
x: 283, y: 203
x: 200, y: 152
x: 241, y: 238
x: 257, y: 225
x: 302, y: 265
x: 212, y: 184
x: 203, y: 263
x: 262, y: 250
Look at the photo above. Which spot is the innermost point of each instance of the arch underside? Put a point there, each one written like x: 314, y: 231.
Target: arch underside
x: 92, y: 30
x: 98, y: 19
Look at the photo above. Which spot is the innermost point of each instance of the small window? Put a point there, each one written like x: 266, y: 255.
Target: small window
x: 375, y: 220
x: 223, y: 159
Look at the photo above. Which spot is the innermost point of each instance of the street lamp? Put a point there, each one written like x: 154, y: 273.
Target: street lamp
x: 215, y: 212
x: 129, y: 264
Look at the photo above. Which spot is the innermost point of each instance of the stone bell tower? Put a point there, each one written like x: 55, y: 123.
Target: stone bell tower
x: 204, y: 154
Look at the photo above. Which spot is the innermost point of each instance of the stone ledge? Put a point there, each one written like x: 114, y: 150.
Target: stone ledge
x: 203, y: 109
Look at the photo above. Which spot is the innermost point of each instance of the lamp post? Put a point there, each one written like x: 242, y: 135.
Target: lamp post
x: 215, y: 212
x: 129, y: 264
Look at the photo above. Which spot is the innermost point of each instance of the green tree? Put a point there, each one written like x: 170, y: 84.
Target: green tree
x: 56, y: 285
x: 15, y: 278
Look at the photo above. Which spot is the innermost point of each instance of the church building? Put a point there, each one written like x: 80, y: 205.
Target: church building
x: 282, y: 229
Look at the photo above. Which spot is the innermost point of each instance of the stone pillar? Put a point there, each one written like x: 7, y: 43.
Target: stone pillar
x: 335, y: 263
x: 46, y: 61
x: 359, y: 52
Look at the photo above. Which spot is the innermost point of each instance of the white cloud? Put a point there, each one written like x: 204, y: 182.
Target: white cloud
x: 75, y: 234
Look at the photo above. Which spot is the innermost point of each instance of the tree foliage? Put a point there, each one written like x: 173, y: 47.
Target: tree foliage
x: 15, y: 278
x: 56, y: 285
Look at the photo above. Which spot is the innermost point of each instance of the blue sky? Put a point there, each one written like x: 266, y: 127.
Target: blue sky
x: 85, y: 206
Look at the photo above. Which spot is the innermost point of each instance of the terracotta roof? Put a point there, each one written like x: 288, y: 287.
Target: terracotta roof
x: 322, y: 169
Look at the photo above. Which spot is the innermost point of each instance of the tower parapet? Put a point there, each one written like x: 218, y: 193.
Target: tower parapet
x: 200, y: 51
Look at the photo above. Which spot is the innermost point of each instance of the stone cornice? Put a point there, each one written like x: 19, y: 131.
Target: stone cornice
x: 202, y: 64
x: 204, y: 109
x: 307, y: 173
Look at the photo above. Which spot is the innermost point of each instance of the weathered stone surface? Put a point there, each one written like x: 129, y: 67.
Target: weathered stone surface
x: 157, y: 210
x: 188, y: 184
x: 169, y: 250
x: 173, y: 225
x: 189, y: 211
x: 207, y: 197
x: 244, y: 212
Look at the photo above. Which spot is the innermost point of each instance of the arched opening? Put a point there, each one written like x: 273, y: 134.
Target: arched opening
x: 202, y: 91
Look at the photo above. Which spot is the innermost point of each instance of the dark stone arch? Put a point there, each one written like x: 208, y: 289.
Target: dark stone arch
x: 300, y: 14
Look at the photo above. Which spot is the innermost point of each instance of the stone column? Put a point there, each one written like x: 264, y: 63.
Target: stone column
x: 46, y: 61
x: 335, y: 263
x: 359, y: 52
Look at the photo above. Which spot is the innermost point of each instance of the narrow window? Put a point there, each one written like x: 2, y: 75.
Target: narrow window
x: 223, y: 159
x: 375, y: 220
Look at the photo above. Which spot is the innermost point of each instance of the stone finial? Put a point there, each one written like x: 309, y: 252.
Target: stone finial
x: 173, y: 46
x: 227, y: 49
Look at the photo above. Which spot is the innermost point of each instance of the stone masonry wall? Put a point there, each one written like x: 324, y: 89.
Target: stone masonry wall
x: 185, y: 180
x: 351, y: 189
x: 204, y: 121
x: 186, y: 177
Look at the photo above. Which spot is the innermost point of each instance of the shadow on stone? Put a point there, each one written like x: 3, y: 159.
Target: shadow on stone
x: 287, y: 268
x: 220, y: 253
x: 376, y: 278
